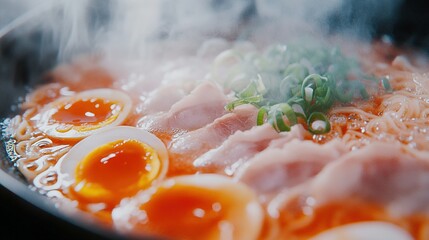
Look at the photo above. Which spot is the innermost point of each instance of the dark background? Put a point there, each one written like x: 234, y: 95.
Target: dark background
x: 22, y: 63
x: 21, y: 220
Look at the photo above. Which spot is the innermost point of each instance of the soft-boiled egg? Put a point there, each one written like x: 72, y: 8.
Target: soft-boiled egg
x: 372, y: 230
x: 201, y: 206
x: 84, y: 113
x: 115, y: 163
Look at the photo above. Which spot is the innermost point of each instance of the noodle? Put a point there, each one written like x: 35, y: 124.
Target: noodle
x: 23, y: 131
x: 400, y: 116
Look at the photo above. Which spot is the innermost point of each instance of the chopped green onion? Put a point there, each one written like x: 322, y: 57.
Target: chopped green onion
x: 386, y: 84
x: 291, y: 82
x: 262, y: 114
x: 287, y: 110
x: 279, y: 112
x: 296, y: 70
x: 327, y: 100
x: 308, y: 94
x: 279, y: 123
x: 256, y: 87
x: 298, y: 109
x: 249, y: 100
x: 318, y: 123
x: 363, y: 91
x: 344, y: 92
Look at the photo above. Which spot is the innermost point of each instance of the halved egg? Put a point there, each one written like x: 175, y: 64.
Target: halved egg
x: 202, y: 206
x: 113, y: 164
x: 372, y: 230
x: 83, y: 114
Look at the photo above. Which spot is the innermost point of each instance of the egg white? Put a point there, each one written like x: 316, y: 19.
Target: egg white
x: 43, y: 120
x: 371, y: 230
x: 69, y: 162
x: 244, y: 219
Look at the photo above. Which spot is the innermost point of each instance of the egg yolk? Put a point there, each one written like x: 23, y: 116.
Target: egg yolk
x: 84, y: 112
x: 115, y: 170
x: 186, y: 212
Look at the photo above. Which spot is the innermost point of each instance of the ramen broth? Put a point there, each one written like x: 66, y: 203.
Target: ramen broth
x: 200, y: 163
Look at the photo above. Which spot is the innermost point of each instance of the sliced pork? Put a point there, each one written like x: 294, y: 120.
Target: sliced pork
x: 201, y: 107
x: 236, y: 149
x: 161, y: 99
x: 194, y: 143
x: 189, y: 146
x: 281, y: 168
x: 296, y: 132
x: 379, y: 173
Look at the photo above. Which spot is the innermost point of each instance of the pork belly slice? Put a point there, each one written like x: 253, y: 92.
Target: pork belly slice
x: 236, y: 149
x: 202, y: 106
x: 194, y: 143
x: 161, y: 99
x: 297, y: 161
x: 379, y: 173
x: 296, y: 132
x: 186, y: 147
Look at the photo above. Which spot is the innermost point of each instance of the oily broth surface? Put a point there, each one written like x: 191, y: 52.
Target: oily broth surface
x: 397, y: 117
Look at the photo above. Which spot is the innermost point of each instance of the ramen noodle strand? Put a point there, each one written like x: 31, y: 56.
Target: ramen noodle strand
x: 24, y: 147
x: 30, y: 168
x: 410, y: 105
x: 376, y: 126
x: 349, y: 110
x: 48, y: 180
x: 23, y: 131
x: 37, y: 154
x: 417, y: 153
x: 393, y: 123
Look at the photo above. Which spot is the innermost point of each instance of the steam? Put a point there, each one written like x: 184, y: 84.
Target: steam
x: 141, y: 23
x: 131, y: 26
x: 68, y: 26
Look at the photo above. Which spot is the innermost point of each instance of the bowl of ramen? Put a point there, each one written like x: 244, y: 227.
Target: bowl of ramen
x: 247, y: 133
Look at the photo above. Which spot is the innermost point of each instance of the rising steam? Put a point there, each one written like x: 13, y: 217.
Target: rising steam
x: 129, y: 25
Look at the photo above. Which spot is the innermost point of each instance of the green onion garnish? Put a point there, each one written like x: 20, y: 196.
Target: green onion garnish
x: 262, y: 114
x: 318, y: 123
x: 291, y: 82
x: 386, y: 84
